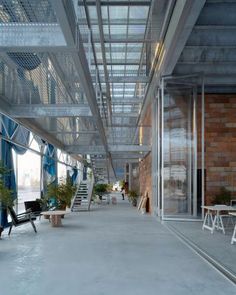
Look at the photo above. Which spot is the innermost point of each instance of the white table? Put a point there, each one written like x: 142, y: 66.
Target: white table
x: 211, y: 223
x: 55, y: 217
x: 234, y: 233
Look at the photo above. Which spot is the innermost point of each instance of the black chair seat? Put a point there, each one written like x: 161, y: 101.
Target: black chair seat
x: 33, y: 207
x: 22, y: 218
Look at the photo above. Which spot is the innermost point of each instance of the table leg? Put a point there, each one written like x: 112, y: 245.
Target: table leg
x: 218, y: 222
x: 234, y: 236
x: 208, y: 222
x: 56, y: 220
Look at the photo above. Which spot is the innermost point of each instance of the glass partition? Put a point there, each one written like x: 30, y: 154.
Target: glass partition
x: 179, y: 149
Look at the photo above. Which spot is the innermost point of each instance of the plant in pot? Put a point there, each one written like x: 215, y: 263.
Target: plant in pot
x: 100, y: 189
x: 6, y: 199
x: 133, y: 197
x: 223, y: 197
x: 63, y: 193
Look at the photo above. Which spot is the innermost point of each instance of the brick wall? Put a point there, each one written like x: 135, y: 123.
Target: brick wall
x: 145, y: 167
x: 220, y: 147
x: 135, y: 178
x: 145, y: 177
x: 220, y: 144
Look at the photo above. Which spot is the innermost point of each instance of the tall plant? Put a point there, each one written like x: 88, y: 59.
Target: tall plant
x: 5, y: 193
x: 62, y: 192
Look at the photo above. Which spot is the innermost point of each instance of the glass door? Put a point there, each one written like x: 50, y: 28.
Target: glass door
x: 179, y: 137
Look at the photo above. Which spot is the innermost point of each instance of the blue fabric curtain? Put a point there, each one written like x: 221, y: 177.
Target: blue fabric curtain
x: 74, y: 176
x: 49, y: 163
x: 21, y: 135
x: 85, y: 173
x: 49, y: 169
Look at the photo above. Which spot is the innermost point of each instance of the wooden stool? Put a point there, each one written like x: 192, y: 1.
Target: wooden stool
x: 114, y: 200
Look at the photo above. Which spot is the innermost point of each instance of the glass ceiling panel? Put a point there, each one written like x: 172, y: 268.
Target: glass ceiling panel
x: 117, y: 68
x: 118, y: 12
x: 106, y: 29
x: 92, y: 12
x: 118, y: 55
x: 133, y: 55
x: 136, y: 12
x: 104, y: 12
x: 118, y: 30
x: 136, y: 29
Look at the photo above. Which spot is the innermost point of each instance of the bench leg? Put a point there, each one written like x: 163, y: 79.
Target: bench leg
x: 33, y: 225
x: 56, y: 220
x: 233, y: 236
x: 9, y: 230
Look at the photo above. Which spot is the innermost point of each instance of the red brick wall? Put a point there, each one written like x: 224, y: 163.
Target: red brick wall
x: 145, y: 177
x: 220, y: 143
x: 145, y: 168
x: 220, y: 147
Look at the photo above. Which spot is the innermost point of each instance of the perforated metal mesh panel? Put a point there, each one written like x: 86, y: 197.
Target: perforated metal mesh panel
x: 26, y: 11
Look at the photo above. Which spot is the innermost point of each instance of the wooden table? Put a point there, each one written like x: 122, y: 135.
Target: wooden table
x: 234, y: 233
x: 211, y: 223
x: 55, y: 217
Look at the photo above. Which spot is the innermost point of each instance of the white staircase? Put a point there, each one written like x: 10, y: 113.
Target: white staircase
x: 82, y: 200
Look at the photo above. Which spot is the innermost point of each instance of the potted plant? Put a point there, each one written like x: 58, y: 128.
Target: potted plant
x: 6, y: 199
x: 223, y: 197
x: 133, y: 197
x: 62, y: 192
x: 100, y: 189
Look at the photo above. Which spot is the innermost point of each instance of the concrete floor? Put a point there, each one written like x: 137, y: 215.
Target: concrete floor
x: 217, y: 245
x: 110, y: 250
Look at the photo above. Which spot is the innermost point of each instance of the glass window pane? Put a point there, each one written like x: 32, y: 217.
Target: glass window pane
x: 118, y: 12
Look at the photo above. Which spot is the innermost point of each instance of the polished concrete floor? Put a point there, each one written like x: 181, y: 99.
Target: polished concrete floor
x: 110, y: 250
x: 216, y: 245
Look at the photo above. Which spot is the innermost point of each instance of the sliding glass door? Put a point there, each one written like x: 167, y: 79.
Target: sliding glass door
x: 178, y: 148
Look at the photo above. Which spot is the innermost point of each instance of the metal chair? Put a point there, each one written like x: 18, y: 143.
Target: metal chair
x: 33, y: 207
x: 19, y: 219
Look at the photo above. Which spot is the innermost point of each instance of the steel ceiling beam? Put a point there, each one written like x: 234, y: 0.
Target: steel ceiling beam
x: 114, y: 22
x: 120, y: 39
x: 125, y: 114
x: 119, y: 62
x: 206, y: 68
x: 101, y: 33
x: 54, y: 111
x: 218, y: 12
x: 195, y: 54
x: 129, y: 79
x: 119, y: 49
x: 127, y: 100
x: 49, y: 110
x: 86, y: 132
x: 31, y: 36
x: 213, y: 36
x: 183, y: 19
x: 117, y: 3
x: 84, y: 149
x: 6, y: 108
x: 97, y: 73
x: 67, y: 20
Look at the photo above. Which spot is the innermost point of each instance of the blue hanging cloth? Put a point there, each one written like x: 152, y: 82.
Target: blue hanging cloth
x: 85, y: 173
x: 49, y: 170
x: 49, y: 163
x: 74, y: 176
x: 21, y: 135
